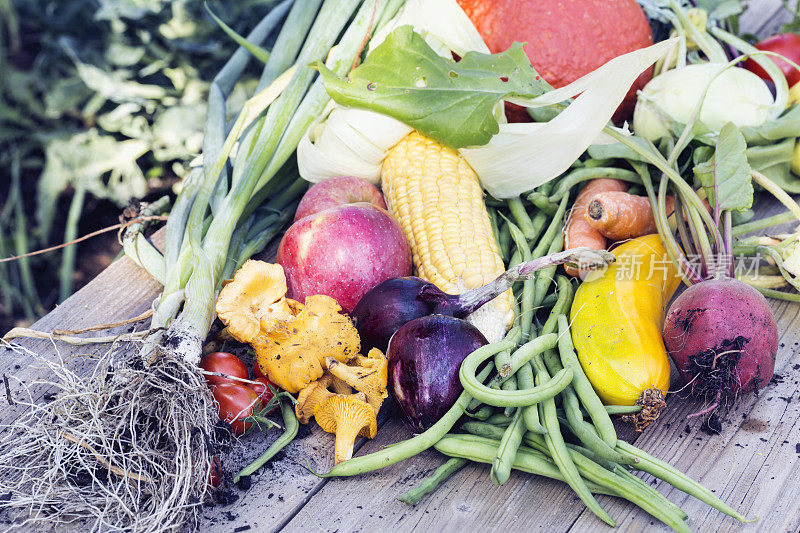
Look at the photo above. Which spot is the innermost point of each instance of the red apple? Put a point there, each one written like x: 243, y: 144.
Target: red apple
x: 343, y: 252
x: 337, y: 191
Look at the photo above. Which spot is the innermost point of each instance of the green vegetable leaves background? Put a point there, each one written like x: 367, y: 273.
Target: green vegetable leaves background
x: 728, y: 171
x: 452, y: 102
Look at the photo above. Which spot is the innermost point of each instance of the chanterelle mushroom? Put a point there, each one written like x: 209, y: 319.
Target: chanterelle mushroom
x: 292, y: 354
x: 347, y: 417
x: 312, y: 396
x: 369, y: 375
x: 254, y: 301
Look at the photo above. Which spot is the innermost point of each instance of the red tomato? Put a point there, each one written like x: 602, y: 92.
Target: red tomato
x: 214, y: 473
x: 236, y: 402
x: 257, y: 373
x: 262, y: 388
x: 785, y: 44
x: 224, y: 363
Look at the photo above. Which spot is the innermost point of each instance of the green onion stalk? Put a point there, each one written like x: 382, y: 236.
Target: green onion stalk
x: 237, y: 202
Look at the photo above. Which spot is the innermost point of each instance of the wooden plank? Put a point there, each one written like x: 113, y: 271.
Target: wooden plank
x: 287, y: 494
x: 763, y: 17
x: 120, y: 292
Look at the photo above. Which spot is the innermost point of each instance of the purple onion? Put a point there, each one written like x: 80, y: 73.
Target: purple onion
x: 424, y: 356
x: 392, y: 303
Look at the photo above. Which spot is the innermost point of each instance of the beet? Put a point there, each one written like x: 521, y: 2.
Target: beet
x: 723, y: 338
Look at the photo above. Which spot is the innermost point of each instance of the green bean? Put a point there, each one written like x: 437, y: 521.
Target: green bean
x: 509, y: 385
x: 654, y: 504
x: 553, y: 231
x: 531, y: 413
x: 418, y: 443
x: 583, y: 388
x: 645, y: 500
x: 526, y: 304
x: 502, y: 360
x: 512, y: 338
x: 539, y: 220
x: 527, y: 351
x: 561, y: 306
x: 623, y: 409
x: 625, y: 474
x: 549, y: 301
x: 482, y: 450
x: 522, y: 355
x: 584, y: 174
x: 493, y: 219
x: 481, y: 414
x: 504, y: 243
x: 542, y: 202
x: 291, y: 426
x: 432, y: 482
x: 499, y: 419
x: 517, y: 398
x: 507, y: 450
x: 586, y: 433
x: 545, y: 276
x: 519, y: 213
x: 520, y: 398
x: 560, y: 452
x: 586, y: 452
x: 676, y: 478
x: 547, y: 187
x: 619, y: 480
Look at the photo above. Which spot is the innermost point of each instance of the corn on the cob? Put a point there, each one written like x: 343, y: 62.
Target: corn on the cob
x: 438, y: 201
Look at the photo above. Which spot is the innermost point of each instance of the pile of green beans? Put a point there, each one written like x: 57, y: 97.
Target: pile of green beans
x: 532, y: 407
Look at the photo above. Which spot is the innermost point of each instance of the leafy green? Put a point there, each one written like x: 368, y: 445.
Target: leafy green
x: 453, y: 103
x: 619, y: 150
x: 786, y: 125
x: 103, y: 96
x: 726, y: 176
x: 774, y: 161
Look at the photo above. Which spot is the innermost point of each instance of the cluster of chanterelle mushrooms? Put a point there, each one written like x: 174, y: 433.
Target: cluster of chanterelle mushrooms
x: 310, y: 349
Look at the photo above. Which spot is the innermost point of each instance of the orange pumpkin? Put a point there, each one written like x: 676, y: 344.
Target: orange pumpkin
x: 565, y: 38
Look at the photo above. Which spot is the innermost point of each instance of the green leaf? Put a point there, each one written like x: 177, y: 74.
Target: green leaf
x: 453, y: 103
x: 786, y: 125
x: 620, y: 151
x: 728, y: 172
x: 105, y: 167
x: 774, y: 161
x: 257, y: 52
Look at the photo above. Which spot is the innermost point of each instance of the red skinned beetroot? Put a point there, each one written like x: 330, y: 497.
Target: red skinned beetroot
x: 343, y: 252
x: 723, y: 338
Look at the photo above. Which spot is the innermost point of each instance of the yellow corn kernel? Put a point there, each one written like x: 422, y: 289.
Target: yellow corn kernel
x: 438, y: 201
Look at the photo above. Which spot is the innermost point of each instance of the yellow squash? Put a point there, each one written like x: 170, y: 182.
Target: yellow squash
x: 617, y: 320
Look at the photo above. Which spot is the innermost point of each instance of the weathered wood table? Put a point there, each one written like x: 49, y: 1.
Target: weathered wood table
x: 754, y: 464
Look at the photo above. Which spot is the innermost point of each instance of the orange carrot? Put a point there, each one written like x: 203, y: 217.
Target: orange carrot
x: 578, y: 232
x: 619, y: 215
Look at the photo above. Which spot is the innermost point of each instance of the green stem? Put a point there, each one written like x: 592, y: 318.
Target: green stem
x: 763, y: 223
x: 292, y: 426
x: 70, y: 233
